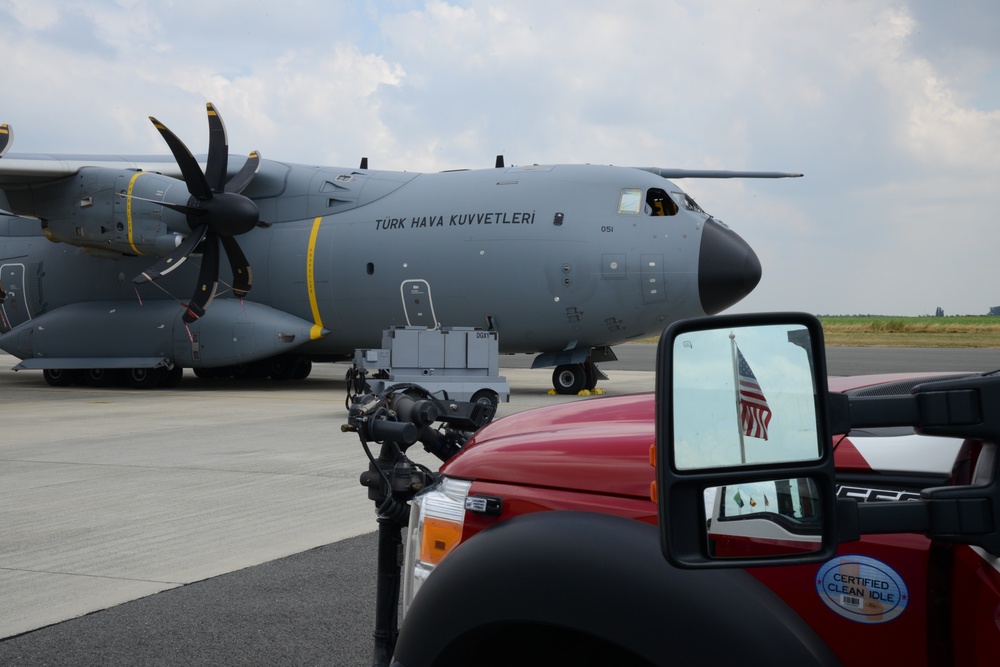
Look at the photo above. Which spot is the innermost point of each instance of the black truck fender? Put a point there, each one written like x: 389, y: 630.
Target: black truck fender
x: 568, y: 587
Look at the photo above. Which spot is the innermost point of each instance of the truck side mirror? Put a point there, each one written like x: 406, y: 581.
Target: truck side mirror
x: 744, y: 459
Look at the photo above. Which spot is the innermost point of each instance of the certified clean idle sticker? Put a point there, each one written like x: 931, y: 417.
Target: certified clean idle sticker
x: 862, y: 589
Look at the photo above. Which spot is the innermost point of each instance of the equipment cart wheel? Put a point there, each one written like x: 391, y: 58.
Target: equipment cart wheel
x: 486, y: 397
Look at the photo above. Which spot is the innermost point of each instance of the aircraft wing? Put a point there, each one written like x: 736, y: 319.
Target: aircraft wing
x: 716, y: 173
x: 26, y: 169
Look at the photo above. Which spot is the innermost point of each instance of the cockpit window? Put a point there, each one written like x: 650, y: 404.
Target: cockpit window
x: 630, y: 201
x: 686, y: 202
x: 658, y: 203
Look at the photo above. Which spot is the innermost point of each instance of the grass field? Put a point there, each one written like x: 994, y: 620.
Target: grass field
x: 966, y: 331
x: 963, y: 331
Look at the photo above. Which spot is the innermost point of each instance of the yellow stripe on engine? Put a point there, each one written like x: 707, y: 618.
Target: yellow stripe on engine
x: 128, y: 211
x: 316, y: 331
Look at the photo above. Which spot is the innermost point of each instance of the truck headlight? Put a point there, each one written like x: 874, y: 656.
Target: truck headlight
x: 436, y: 518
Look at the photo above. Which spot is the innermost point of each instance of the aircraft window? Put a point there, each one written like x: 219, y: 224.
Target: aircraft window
x: 658, y: 203
x: 685, y: 201
x: 630, y: 201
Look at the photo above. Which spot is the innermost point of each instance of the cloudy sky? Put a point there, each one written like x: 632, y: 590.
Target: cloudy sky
x: 891, y: 109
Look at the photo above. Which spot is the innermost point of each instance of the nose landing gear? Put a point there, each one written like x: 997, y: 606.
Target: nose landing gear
x: 569, y: 379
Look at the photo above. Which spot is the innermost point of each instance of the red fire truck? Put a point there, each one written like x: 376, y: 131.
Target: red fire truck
x: 727, y: 519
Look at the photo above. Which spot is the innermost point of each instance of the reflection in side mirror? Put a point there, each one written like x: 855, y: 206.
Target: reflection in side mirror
x: 728, y: 413
x: 764, y: 519
x: 741, y: 410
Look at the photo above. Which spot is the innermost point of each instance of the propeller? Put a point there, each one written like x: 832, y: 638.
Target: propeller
x: 6, y: 138
x: 216, y: 212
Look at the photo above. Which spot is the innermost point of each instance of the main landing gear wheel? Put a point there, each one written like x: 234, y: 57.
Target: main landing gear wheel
x: 60, y: 377
x: 287, y: 367
x: 100, y: 377
x: 172, y: 378
x: 304, y: 369
x: 144, y: 378
x: 569, y: 379
x: 278, y: 368
x: 281, y: 368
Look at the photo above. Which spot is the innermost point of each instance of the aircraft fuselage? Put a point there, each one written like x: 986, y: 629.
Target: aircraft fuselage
x: 557, y: 259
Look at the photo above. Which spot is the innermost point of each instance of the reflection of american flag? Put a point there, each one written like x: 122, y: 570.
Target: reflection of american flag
x: 755, y: 414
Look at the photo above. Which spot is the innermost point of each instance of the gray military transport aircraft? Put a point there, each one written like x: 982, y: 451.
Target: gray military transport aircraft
x: 561, y: 260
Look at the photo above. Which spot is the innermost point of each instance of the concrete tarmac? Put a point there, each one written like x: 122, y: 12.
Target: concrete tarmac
x: 118, y: 501
x: 112, y: 494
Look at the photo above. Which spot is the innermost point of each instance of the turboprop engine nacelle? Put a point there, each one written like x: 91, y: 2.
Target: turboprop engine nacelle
x: 109, y: 210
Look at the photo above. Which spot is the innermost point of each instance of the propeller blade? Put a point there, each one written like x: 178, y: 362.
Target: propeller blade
x: 218, y: 151
x: 246, y: 174
x: 195, y: 180
x: 174, y: 259
x: 216, y: 212
x: 6, y: 138
x: 242, y: 275
x: 208, y: 280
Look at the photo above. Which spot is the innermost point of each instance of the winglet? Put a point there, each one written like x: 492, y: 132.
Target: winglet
x: 6, y: 138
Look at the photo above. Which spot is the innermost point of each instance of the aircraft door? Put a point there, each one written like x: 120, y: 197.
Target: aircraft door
x: 14, y: 299
x: 417, y: 304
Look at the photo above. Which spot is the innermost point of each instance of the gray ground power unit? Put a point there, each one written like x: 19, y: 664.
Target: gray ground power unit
x: 457, y: 363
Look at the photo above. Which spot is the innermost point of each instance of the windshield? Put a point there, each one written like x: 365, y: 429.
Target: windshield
x: 656, y: 202
x: 686, y: 202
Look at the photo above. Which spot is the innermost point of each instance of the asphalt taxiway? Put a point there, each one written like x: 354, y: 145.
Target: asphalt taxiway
x: 219, y: 523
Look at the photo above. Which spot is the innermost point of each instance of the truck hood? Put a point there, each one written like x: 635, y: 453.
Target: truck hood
x: 603, y: 445
x: 598, y: 445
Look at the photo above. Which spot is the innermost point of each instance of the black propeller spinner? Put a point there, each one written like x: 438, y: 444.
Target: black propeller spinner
x: 216, y: 212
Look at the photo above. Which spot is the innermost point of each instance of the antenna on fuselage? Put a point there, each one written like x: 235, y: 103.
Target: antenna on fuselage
x: 499, y: 164
x: 364, y: 163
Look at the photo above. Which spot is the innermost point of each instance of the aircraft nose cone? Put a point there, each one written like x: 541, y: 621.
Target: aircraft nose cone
x: 728, y: 268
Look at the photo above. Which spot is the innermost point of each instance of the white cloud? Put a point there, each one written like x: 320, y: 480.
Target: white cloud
x: 891, y: 111
x: 32, y: 14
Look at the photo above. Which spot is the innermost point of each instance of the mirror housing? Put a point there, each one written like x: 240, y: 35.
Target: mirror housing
x: 966, y: 407
x: 743, y: 417
x: 741, y: 412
